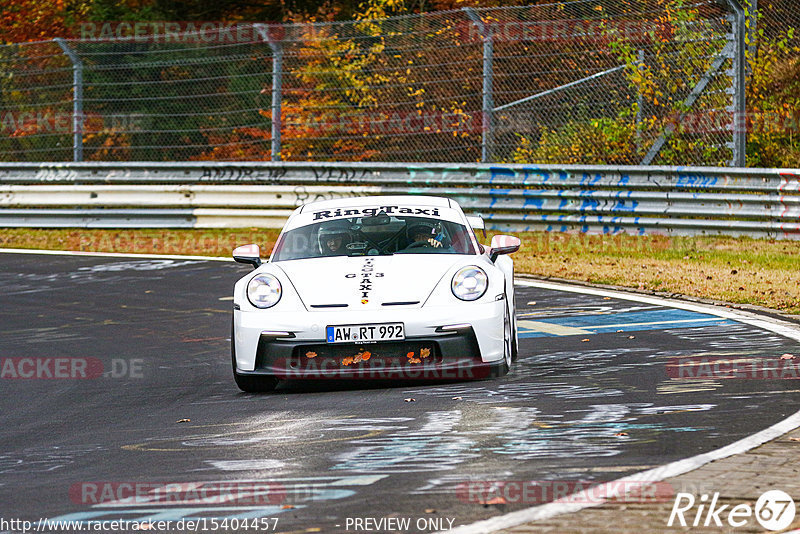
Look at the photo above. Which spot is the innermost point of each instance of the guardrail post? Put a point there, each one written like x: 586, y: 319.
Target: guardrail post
x: 738, y: 107
x: 277, y: 95
x: 77, y: 99
x: 487, y: 136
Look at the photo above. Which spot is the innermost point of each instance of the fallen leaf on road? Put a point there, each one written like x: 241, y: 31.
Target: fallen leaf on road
x: 287, y: 507
x: 631, y: 337
x: 183, y: 421
x: 496, y: 500
x: 788, y: 357
x: 456, y: 398
x: 584, y: 340
x: 621, y: 434
x: 794, y: 439
x: 430, y: 511
x: 410, y: 400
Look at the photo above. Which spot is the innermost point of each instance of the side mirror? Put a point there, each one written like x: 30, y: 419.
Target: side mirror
x: 249, y: 254
x: 476, y: 222
x: 503, y: 244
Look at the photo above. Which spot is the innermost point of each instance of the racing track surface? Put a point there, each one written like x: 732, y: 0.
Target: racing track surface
x: 570, y: 409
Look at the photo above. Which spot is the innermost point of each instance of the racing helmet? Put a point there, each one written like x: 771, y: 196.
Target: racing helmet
x: 420, y: 227
x: 332, y: 232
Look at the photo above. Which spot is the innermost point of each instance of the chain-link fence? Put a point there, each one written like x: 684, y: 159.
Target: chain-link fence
x: 588, y: 81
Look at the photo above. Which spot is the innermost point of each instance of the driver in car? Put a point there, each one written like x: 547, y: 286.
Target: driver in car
x: 423, y: 233
x: 333, y: 240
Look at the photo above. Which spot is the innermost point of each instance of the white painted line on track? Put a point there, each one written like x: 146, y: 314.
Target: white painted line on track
x: 589, y: 498
x: 561, y: 330
x: 111, y: 254
x: 552, y: 328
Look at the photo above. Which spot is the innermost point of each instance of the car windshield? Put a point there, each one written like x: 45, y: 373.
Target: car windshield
x: 378, y: 235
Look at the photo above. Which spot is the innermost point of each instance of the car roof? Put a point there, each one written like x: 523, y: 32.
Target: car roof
x: 408, y: 200
x: 337, y: 208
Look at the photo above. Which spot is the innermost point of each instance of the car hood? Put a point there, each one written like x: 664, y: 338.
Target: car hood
x: 364, y: 282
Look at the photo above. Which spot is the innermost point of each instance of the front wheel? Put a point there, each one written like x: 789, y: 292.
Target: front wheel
x: 255, y: 384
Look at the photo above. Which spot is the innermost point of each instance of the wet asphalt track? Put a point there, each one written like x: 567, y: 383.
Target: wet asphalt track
x: 570, y: 410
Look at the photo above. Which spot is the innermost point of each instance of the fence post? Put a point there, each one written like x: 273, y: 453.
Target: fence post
x: 277, y: 95
x: 77, y: 99
x: 487, y: 135
x: 639, y: 106
x: 738, y: 108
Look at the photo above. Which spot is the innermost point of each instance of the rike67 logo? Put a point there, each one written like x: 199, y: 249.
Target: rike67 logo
x: 774, y: 510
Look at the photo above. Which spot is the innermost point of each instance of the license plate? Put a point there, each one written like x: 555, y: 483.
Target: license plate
x: 365, y: 333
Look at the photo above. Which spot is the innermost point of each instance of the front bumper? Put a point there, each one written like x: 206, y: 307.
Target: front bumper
x: 454, y: 356
x: 452, y: 340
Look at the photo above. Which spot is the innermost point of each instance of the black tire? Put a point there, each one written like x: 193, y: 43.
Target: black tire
x: 250, y: 383
x: 514, y: 346
x: 255, y: 384
x: 508, y: 343
x: 514, y: 340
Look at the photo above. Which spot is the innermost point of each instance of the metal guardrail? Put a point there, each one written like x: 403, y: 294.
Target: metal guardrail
x: 598, y: 199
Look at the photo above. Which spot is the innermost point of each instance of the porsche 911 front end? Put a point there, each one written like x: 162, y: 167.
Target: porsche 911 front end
x: 376, y: 287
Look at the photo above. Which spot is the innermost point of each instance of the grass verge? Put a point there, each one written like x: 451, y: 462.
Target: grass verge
x: 739, y: 270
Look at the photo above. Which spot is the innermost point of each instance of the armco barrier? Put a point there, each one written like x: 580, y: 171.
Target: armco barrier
x: 596, y: 199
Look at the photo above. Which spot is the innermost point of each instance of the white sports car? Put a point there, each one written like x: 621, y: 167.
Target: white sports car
x: 386, y: 287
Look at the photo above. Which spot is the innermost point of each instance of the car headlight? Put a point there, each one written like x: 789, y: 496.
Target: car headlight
x: 470, y: 283
x: 264, y: 291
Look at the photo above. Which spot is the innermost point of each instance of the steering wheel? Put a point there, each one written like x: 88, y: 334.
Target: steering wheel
x: 418, y: 244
